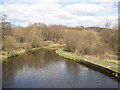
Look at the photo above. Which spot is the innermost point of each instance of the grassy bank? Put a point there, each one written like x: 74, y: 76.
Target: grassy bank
x: 7, y: 56
x: 88, y: 57
x: 54, y: 46
x: 74, y: 57
x: 17, y: 53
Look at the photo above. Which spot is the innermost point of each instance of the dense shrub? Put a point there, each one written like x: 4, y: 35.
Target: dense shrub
x: 10, y: 44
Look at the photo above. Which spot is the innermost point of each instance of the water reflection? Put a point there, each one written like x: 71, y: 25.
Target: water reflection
x: 44, y: 69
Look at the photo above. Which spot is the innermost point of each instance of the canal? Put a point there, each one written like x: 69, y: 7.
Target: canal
x: 43, y: 69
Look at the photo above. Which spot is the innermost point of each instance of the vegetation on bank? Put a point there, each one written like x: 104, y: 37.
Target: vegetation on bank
x: 101, y: 44
x: 98, y: 43
x: 78, y: 58
x: 89, y: 57
x: 16, y: 53
x: 54, y: 46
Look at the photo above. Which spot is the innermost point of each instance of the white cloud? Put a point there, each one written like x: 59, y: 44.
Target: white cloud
x: 84, y: 9
x: 105, y: 0
x: 48, y: 1
x: 50, y: 12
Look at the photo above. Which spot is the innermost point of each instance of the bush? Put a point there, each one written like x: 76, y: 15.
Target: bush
x: 71, y: 39
x: 10, y: 44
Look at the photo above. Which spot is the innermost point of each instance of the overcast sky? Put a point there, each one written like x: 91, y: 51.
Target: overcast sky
x: 65, y: 12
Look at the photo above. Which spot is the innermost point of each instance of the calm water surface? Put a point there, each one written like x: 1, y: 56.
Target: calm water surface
x: 43, y: 69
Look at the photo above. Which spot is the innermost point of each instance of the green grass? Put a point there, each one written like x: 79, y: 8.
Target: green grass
x: 78, y: 59
x: 104, y: 60
x: 94, y: 58
x: 115, y: 69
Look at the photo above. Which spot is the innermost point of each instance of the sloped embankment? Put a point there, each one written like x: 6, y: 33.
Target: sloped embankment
x: 110, y: 68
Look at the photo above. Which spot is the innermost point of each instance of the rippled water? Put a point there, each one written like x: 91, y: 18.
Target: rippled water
x: 43, y: 69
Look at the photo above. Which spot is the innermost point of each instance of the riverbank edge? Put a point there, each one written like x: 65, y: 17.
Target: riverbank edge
x: 48, y: 47
x: 19, y: 53
x: 112, y: 72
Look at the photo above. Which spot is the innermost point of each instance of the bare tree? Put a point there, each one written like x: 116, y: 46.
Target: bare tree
x: 5, y: 25
x: 107, y: 24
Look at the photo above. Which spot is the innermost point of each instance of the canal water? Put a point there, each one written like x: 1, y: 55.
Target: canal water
x: 43, y: 69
